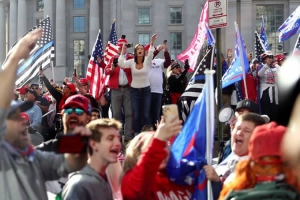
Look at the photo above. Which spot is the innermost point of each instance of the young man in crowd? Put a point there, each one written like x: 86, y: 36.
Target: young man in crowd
x: 104, y: 147
x: 19, y: 161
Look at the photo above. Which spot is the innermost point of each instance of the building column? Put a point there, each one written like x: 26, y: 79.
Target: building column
x: 60, y: 40
x: 48, y: 9
x: 94, y: 23
x: 246, y: 27
x: 2, y: 33
x: 13, y: 12
x: 22, y: 18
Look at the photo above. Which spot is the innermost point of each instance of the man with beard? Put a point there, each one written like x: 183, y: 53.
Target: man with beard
x: 23, y: 170
x: 76, y: 113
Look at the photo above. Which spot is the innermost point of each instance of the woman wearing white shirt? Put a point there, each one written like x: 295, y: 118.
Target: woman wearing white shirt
x: 140, y: 92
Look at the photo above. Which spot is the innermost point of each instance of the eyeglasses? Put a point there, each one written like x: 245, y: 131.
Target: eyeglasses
x: 78, y: 111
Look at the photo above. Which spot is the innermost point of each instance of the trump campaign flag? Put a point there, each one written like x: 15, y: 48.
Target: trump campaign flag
x: 263, y: 35
x: 239, y: 65
x: 40, y: 56
x: 192, y: 52
x: 94, y: 72
x: 290, y: 26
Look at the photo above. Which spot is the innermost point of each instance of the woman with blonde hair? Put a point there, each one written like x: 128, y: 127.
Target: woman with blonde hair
x: 145, y: 164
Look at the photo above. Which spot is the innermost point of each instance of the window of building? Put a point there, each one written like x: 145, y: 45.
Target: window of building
x: 143, y: 16
x: 78, y: 4
x: 79, y: 57
x: 175, y: 44
x: 144, y: 38
x: 273, y: 17
x: 78, y: 23
x: 175, y: 15
x: 40, y: 5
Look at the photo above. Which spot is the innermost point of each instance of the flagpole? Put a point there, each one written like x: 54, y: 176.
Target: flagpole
x: 209, y: 122
x: 242, y: 58
x: 52, y: 67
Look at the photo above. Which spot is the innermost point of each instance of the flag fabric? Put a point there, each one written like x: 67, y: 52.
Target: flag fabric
x: 259, y: 47
x: 192, y: 52
x: 290, y: 26
x: 111, y: 48
x: 235, y: 71
x: 297, y: 47
x: 210, y: 37
x: 94, y: 72
x: 263, y: 35
x: 195, y: 86
x: 42, y: 55
x: 187, y: 156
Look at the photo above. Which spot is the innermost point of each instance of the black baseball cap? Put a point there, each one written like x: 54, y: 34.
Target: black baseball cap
x: 249, y: 104
x: 23, y: 106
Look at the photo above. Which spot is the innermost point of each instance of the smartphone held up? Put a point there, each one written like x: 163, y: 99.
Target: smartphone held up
x: 72, y: 143
x: 170, y: 112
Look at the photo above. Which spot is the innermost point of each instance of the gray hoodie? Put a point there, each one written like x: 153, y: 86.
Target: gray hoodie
x: 86, y: 184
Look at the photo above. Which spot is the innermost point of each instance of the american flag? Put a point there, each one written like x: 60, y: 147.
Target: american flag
x: 259, y: 47
x: 111, y: 48
x: 195, y: 86
x: 263, y: 35
x: 297, y: 47
x: 94, y: 72
x: 41, y: 55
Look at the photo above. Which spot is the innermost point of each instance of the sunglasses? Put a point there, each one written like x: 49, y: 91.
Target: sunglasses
x: 78, y: 111
x: 34, y: 88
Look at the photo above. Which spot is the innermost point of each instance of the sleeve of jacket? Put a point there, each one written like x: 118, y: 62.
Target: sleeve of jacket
x: 56, y: 94
x: 50, y: 146
x: 37, y: 119
x: 53, y: 166
x: 155, y: 53
x: 137, y: 182
x: 167, y: 62
x: 262, y: 71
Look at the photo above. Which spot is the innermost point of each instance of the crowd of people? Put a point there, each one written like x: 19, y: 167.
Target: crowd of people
x: 61, y: 144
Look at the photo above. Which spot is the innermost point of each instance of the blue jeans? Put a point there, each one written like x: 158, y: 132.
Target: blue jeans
x: 155, y: 107
x: 140, y: 104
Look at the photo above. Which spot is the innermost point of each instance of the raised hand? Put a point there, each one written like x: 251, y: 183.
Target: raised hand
x: 26, y: 44
x: 169, y: 129
x: 153, y: 38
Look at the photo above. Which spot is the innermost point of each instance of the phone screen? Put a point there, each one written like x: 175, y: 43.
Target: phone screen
x: 170, y: 112
x: 72, y: 143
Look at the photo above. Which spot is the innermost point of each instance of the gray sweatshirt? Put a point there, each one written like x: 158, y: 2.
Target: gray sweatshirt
x: 86, y: 184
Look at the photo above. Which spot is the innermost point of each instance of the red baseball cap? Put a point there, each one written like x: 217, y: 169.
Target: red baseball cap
x: 25, y: 116
x: 84, y: 81
x: 266, y: 141
x: 71, y: 86
x: 22, y: 90
x: 78, y: 101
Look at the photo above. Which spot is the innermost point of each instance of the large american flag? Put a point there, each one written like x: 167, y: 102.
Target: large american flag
x: 111, y: 48
x: 259, y: 47
x: 195, y: 86
x: 94, y: 72
x: 41, y: 55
